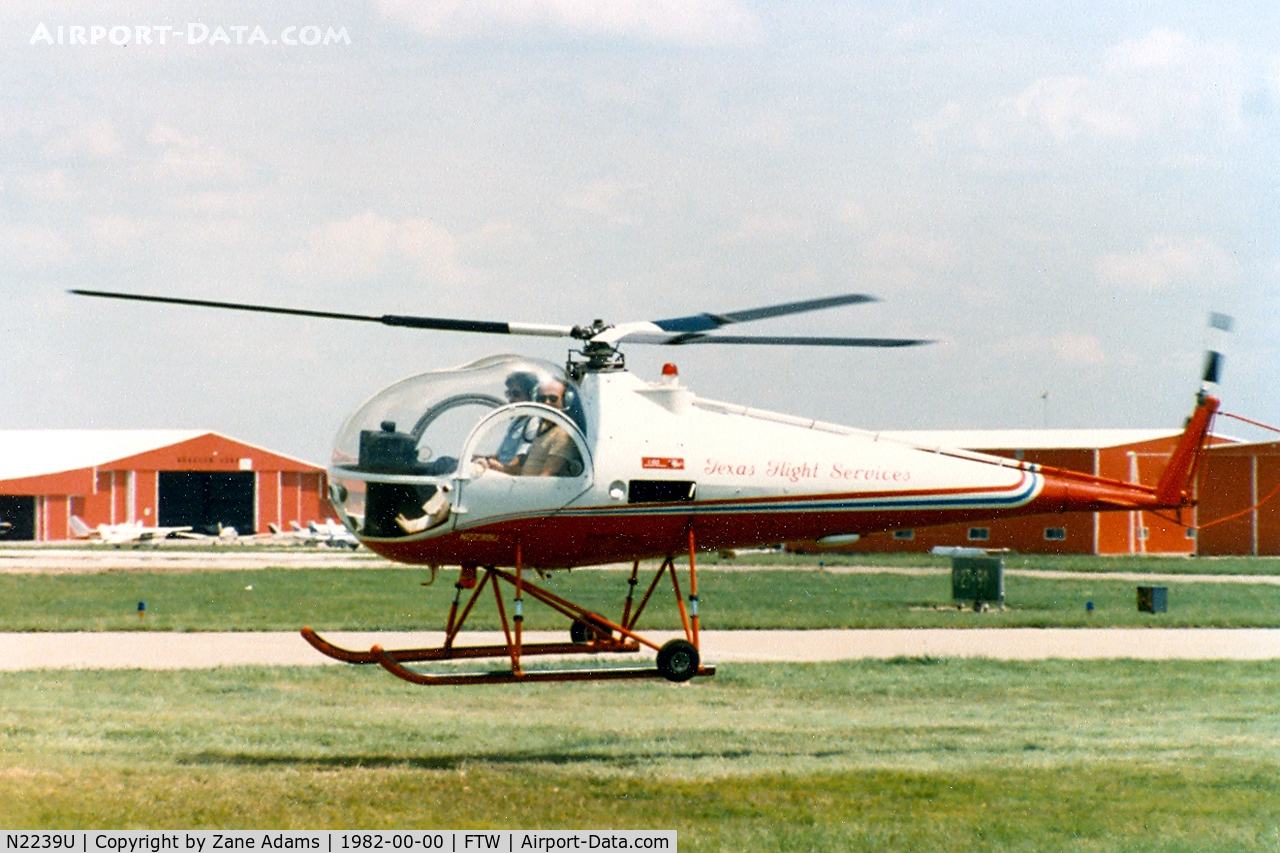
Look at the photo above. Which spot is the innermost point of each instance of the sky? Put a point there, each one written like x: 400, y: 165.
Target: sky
x: 1057, y: 194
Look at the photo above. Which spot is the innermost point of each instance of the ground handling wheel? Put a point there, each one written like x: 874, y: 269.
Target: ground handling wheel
x: 678, y: 660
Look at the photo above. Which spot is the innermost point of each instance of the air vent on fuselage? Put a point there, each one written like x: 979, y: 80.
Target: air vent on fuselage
x: 660, y: 491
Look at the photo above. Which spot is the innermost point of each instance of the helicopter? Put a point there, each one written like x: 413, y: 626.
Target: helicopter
x: 512, y: 467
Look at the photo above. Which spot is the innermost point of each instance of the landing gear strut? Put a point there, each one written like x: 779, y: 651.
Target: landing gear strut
x: 590, y: 633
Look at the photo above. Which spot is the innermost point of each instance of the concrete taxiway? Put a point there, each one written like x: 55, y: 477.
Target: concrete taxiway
x: 168, y: 650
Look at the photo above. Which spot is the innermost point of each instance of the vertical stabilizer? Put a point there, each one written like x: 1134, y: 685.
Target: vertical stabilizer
x: 1174, y: 488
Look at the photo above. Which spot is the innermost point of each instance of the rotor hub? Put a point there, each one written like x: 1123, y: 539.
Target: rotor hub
x: 596, y: 357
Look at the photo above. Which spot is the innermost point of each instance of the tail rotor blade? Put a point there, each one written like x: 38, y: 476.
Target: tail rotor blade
x: 1213, y: 360
x: 1212, y: 367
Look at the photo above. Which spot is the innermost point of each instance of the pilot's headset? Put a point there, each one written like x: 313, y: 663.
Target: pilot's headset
x: 573, y: 407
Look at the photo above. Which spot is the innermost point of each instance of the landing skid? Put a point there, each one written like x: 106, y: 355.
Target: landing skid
x: 592, y: 634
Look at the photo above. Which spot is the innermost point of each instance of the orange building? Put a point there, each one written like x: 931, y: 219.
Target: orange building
x: 1239, y: 506
x: 156, y: 477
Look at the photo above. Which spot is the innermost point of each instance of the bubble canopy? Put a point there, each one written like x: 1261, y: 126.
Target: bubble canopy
x: 413, y: 431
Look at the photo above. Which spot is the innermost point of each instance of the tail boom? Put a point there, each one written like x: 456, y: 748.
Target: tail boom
x: 1070, y: 491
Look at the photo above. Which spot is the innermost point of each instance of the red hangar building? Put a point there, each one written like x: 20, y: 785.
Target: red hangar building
x: 157, y: 477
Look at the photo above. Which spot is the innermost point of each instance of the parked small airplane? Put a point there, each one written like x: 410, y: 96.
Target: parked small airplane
x: 332, y: 533
x: 130, y: 532
x: 328, y: 532
x: 226, y: 535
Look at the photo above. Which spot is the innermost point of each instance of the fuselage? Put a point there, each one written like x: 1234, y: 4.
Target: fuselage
x: 659, y: 462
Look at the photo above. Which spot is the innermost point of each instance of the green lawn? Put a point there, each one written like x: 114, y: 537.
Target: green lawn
x: 899, y: 755
x: 1065, y: 562
x: 394, y: 599
x: 903, y: 755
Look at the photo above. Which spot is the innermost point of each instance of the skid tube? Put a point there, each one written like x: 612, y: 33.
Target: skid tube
x: 677, y: 660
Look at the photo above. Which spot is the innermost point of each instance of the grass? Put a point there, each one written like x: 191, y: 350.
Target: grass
x: 912, y: 754
x: 1133, y: 563
x: 394, y: 599
x: 909, y: 754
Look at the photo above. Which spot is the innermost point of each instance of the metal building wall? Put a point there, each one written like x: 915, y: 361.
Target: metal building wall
x: 1240, y: 501
x: 286, y: 490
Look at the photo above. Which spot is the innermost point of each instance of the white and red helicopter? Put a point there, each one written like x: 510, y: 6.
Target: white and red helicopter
x: 512, y: 465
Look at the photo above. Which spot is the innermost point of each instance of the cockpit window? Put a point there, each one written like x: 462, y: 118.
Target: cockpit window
x: 436, y: 411
x: 402, y: 447
x: 528, y: 441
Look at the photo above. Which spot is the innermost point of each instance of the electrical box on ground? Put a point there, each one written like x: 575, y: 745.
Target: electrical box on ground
x: 978, y: 579
x: 1153, y: 599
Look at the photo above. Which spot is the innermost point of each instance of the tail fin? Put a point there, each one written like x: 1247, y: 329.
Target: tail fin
x: 1174, y: 488
x: 79, y: 529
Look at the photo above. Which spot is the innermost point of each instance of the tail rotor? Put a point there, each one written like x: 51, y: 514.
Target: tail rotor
x: 1213, y: 358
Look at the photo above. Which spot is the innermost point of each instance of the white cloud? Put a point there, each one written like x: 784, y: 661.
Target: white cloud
x: 366, y: 245
x: 751, y: 229
x: 1071, y: 348
x: 1160, y: 48
x: 29, y: 246
x: 186, y: 158
x: 1077, y: 349
x: 119, y: 234
x: 1165, y: 264
x: 1165, y: 88
x: 611, y: 200
x: 691, y: 22
x: 1164, y: 82
x: 53, y: 187
x: 1067, y: 106
x: 87, y: 140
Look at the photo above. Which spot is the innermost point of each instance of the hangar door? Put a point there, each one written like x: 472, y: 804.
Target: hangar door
x: 203, y: 500
x: 18, y: 517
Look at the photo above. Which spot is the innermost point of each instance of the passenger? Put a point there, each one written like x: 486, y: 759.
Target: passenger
x: 515, y: 444
x: 435, y: 511
x: 552, y: 453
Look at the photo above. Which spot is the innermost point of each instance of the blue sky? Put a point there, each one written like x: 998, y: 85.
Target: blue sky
x: 1058, y: 194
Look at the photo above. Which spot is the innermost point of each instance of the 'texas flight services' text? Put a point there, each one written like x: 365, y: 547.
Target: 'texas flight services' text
x: 797, y: 471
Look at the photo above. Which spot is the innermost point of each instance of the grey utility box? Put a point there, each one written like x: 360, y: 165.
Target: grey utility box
x: 1153, y: 599
x: 978, y: 579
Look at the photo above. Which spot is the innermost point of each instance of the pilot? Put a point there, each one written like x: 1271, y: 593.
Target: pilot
x: 552, y: 453
x: 515, y: 444
x: 510, y: 454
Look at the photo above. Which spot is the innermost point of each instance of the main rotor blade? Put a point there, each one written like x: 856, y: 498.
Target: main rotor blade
x: 438, y: 323
x: 801, y: 341
x: 676, y: 331
x: 707, y: 321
